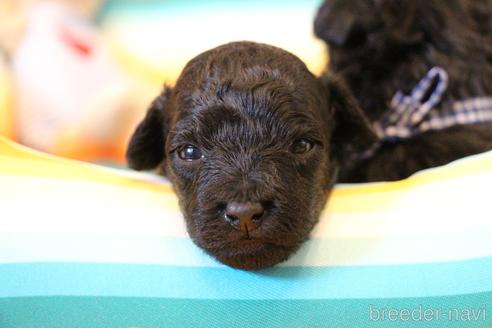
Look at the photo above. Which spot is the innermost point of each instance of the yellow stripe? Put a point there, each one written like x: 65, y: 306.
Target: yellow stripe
x: 19, y: 160
x: 158, y: 63
x: 6, y: 106
x: 138, y: 67
x: 459, y: 169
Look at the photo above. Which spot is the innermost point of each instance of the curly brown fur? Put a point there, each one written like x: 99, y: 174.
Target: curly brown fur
x: 245, y: 106
x: 382, y: 46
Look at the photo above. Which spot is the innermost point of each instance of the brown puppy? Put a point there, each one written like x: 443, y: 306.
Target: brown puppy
x: 383, y: 48
x: 249, y: 139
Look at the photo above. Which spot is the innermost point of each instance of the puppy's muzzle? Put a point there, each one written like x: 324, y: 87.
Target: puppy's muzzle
x: 244, y: 216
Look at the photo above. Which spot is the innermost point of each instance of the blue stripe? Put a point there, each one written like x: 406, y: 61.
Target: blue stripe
x: 109, y: 312
x: 86, y: 279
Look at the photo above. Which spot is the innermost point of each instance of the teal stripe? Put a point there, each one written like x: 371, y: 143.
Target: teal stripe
x: 128, y: 5
x: 172, y: 7
x: 344, y: 282
x: 108, y: 312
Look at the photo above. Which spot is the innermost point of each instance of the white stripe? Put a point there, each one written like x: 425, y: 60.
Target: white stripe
x: 28, y: 248
x: 93, y: 222
x: 33, y: 204
x: 60, y: 206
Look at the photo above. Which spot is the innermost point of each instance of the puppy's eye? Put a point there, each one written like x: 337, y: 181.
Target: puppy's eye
x: 190, y: 153
x: 302, y: 146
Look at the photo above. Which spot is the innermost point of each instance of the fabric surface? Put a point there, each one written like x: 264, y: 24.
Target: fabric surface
x: 88, y: 246
x: 156, y: 38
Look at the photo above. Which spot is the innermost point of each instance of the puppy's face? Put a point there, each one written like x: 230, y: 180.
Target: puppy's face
x: 247, y: 138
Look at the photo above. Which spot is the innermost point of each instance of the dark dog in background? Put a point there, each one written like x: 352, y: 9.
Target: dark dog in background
x: 381, y: 47
x: 249, y: 138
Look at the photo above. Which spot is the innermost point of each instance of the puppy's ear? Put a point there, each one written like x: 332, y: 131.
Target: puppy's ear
x: 339, y: 22
x: 331, y: 29
x: 352, y: 131
x: 146, y: 148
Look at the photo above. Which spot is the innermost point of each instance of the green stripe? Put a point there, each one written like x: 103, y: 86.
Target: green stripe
x: 108, y: 312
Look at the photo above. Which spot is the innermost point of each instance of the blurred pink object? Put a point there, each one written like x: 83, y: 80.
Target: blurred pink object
x: 67, y: 84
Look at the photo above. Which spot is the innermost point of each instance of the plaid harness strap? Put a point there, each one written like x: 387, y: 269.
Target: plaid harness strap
x: 410, y: 115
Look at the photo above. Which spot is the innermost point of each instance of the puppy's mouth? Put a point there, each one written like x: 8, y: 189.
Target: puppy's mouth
x: 268, y: 244
x: 255, y: 238
x: 248, y: 246
x: 251, y: 254
x: 243, y: 240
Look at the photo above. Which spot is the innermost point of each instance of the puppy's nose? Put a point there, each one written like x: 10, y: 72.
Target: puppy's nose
x: 244, y: 216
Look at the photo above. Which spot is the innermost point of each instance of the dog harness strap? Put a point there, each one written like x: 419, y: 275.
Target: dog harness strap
x: 412, y: 114
x: 408, y: 111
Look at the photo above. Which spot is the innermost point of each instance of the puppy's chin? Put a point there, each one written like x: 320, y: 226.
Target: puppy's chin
x: 270, y: 244
x: 251, y: 254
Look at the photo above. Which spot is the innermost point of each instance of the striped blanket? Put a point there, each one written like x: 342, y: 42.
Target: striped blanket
x: 88, y: 246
